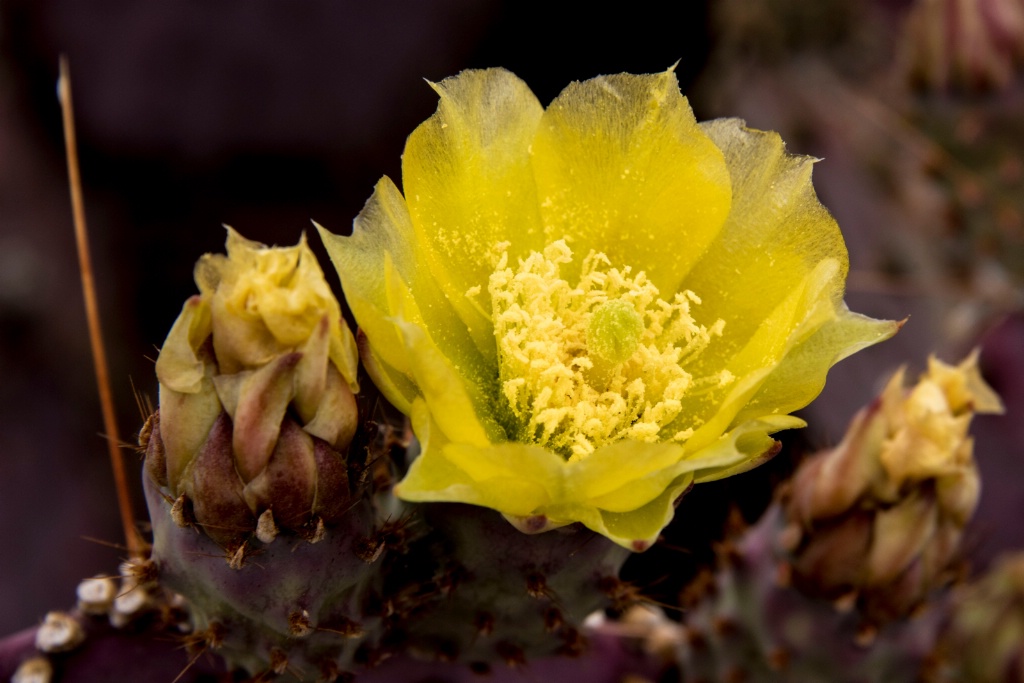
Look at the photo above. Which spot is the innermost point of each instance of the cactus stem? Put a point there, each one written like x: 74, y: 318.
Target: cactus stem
x: 329, y: 672
x: 190, y: 664
x: 368, y: 656
x: 695, y: 638
x: 447, y: 582
x: 735, y: 674
x: 728, y: 554
x: 789, y: 538
x: 397, y: 533
x: 393, y: 534
x: 725, y: 626
x: 133, y: 599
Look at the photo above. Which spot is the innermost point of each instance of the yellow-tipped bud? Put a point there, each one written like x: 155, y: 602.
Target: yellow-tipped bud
x: 984, y: 639
x: 264, y: 352
x: 899, y: 488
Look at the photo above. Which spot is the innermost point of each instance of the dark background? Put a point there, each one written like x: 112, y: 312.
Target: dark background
x: 266, y: 114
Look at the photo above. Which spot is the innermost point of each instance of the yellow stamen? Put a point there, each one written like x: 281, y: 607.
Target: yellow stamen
x: 588, y: 365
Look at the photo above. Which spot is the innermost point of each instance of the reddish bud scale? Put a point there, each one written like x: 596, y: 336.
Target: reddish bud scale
x: 303, y: 481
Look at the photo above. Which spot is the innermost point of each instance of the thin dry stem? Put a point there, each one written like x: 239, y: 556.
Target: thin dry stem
x: 135, y: 545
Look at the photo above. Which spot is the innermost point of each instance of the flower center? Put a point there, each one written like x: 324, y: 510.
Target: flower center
x: 614, y: 331
x: 586, y: 365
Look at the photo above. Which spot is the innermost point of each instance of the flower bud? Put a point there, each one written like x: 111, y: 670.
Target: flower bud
x: 880, y: 515
x: 257, y: 381
x: 984, y: 640
x: 974, y: 46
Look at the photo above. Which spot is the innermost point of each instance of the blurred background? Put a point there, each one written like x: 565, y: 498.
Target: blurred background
x: 264, y: 114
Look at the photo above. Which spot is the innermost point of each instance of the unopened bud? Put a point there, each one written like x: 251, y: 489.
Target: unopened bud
x: 984, y: 640
x: 972, y: 46
x: 881, y: 514
x: 257, y: 381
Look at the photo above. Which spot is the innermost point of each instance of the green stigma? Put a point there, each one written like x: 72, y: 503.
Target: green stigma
x: 614, y: 331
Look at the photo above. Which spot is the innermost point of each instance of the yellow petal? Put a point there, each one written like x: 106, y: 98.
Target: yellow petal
x: 639, y: 529
x: 606, y: 469
x: 516, y: 479
x: 776, y: 236
x: 626, y: 475
x: 900, y: 534
x: 383, y: 248
x: 185, y: 421
x: 800, y: 376
x: 498, y: 474
x: 257, y: 401
x: 460, y: 355
x: 457, y: 415
x: 396, y: 386
x: 775, y: 275
x: 964, y: 386
x: 622, y: 167
x: 266, y: 301
x: 792, y: 321
x: 337, y: 416
x: 636, y: 530
x: 179, y: 366
x: 311, y: 372
x: 747, y: 446
x: 468, y: 183
x: 344, y: 353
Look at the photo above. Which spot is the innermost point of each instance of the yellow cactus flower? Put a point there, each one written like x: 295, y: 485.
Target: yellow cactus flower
x: 586, y: 309
x: 265, y: 333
